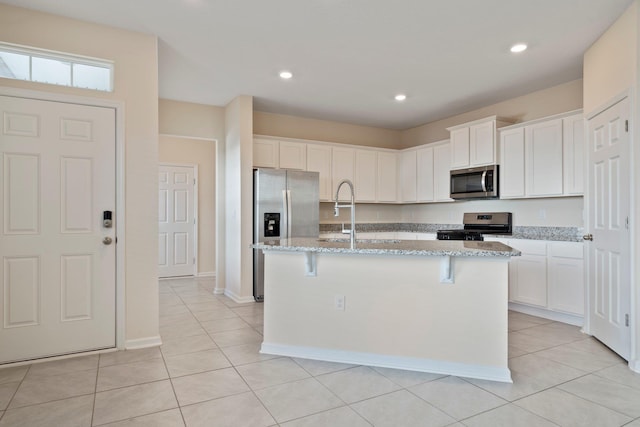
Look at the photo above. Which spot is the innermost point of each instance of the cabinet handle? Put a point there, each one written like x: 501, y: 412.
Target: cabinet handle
x: 588, y: 237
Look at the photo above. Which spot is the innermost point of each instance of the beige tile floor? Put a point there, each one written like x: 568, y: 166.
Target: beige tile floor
x: 209, y: 372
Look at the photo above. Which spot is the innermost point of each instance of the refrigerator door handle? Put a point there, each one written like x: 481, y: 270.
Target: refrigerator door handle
x: 284, y: 226
x: 289, y: 222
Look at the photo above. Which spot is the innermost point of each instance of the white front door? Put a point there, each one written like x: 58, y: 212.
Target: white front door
x: 608, y: 211
x: 176, y: 221
x: 57, y: 177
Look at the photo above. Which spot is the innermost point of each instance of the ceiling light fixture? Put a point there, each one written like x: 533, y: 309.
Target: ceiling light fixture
x: 517, y: 48
x: 286, y: 75
x: 401, y: 97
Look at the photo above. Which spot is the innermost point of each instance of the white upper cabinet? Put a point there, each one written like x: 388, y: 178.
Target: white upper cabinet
x: 543, y: 159
x: 573, y: 144
x: 441, y: 175
x: 387, y: 177
x: 266, y: 153
x: 343, y: 167
x: 408, y: 172
x: 366, y: 171
x: 460, y: 148
x: 512, y: 163
x: 293, y: 155
x: 482, y: 144
x: 319, y: 160
x: 474, y: 143
x: 425, y: 176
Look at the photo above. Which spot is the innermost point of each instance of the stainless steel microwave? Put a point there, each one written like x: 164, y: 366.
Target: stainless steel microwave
x: 475, y: 183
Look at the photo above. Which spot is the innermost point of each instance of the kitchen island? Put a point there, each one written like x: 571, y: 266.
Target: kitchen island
x: 431, y: 306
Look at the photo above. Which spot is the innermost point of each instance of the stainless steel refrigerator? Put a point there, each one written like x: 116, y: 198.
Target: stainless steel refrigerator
x: 286, y: 204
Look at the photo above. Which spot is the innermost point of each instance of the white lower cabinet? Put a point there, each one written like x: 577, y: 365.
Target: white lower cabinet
x: 547, y: 276
x: 528, y: 273
x: 565, y: 277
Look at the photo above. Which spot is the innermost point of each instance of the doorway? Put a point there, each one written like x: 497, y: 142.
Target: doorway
x: 58, y: 181
x: 177, y: 223
x: 608, y: 211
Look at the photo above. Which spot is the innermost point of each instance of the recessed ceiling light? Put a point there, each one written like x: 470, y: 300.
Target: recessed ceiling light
x: 286, y: 75
x: 520, y: 47
x: 401, y: 97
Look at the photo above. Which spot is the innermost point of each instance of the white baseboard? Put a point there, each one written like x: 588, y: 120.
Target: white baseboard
x: 571, y: 319
x: 490, y: 373
x: 634, y: 365
x: 237, y: 298
x: 143, y: 343
x: 206, y: 274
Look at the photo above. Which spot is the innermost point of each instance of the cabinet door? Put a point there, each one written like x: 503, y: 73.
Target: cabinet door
x: 543, y: 146
x: 573, y: 141
x: 408, y: 176
x: 293, y: 155
x: 460, y: 148
x: 512, y: 163
x: 528, y: 280
x: 441, y: 173
x: 365, y: 176
x: 566, y: 282
x: 482, y: 142
x: 319, y: 160
x: 425, y: 175
x: 265, y: 153
x: 387, y: 177
x: 342, y: 167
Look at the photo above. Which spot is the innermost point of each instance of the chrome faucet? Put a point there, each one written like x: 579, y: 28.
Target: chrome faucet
x: 352, y: 206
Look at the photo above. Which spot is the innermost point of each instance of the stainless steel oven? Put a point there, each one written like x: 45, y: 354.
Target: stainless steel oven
x: 475, y: 183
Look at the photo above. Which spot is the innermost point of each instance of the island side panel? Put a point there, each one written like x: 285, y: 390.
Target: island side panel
x: 395, y: 307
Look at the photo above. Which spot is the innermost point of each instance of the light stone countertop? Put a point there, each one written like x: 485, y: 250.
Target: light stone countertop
x: 391, y: 247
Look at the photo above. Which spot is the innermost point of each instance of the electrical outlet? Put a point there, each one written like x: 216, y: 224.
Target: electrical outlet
x: 338, y: 302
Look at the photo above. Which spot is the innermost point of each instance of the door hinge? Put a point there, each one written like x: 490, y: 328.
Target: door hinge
x: 194, y: 260
x: 626, y: 223
x: 194, y: 181
x: 626, y: 320
x: 626, y: 125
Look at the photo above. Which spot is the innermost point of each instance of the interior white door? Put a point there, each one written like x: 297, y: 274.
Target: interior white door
x: 176, y: 221
x: 58, y: 277
x: 608, y: 211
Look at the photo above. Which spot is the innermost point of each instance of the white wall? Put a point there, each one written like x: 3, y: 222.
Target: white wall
x: 136, y: 84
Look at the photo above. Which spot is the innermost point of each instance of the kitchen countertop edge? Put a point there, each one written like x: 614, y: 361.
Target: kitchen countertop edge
x: 396, y: 247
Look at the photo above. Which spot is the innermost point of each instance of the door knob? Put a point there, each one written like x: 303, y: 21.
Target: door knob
x: 107, y: 240
x: 587, y: 237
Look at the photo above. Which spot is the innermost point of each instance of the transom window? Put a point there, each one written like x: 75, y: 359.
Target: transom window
x: 37, y: 65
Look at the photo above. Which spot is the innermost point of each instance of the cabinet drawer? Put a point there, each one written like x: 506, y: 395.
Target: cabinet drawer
x: 566, y: 250
x: 531, y: 247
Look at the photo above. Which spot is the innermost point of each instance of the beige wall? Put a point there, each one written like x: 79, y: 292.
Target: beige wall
x: 322, y: 130
x: 612, y: 67
x: 136, y: 84
x: 535, y: 105
x: 188, y: 119
x: 610, y: 63
x: 238, y: 281
x: 200, y: 152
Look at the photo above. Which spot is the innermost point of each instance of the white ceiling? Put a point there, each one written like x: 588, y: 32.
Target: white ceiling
x: 350, y: 57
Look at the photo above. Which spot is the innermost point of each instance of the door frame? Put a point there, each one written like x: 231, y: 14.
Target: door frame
x: 118, y: 106
x: 634, y: 318
x: 196, y: 225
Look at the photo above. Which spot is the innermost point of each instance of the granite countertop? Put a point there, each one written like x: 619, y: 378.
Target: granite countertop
x: 561, y: 234
x: 390, y: 247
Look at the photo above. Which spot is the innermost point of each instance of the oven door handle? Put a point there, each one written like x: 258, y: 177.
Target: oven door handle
x: 483, y: 181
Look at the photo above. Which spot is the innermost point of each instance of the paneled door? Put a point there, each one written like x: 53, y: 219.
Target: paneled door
x: 58, y: 259
x: 608, y: 224
x: 176, y: 221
